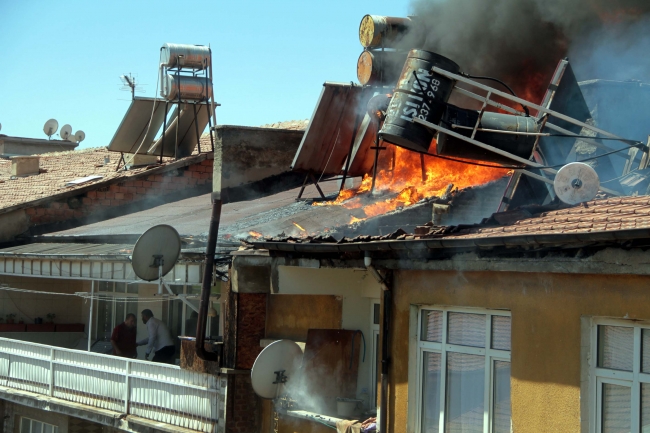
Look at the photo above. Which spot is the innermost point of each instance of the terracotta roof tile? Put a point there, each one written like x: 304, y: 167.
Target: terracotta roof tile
x: 56, y: 169
x: 595, y: 216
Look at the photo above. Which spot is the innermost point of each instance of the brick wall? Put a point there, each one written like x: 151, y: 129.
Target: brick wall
x: 251, y: 325
x: 114, y: 195
x: 245, y: 408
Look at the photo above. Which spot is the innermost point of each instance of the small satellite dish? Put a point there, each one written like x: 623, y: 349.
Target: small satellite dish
x: 50, y: 127
x: 66, y: 130
x: 274, y: 366
x: 156, y: 252
x: 80, y: 136
x: 576, y: 183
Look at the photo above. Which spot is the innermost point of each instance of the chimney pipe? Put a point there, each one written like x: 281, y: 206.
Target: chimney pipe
x: 24, y: 165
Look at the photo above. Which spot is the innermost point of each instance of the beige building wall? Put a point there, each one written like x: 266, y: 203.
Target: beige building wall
x: 546, y: 333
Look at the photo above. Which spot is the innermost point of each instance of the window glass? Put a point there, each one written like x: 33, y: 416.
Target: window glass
x: 375, y: 314
x: 120, y: 312
x: 132, y: 288
x: 104, y: 286
x: 37, y: 427
x: 615, y: 347
x: 120, y: 287
x: 501, y: 332
x: 47, y: 428
x: 465, y: 392
x: 617, y: 405
x: 466, y: 329
x: 645, y: 407
x: 645, y: 348
x: 25, y: 425
x: 431, y: 392
x: 501, y: 421
x: 431, y: 326
x: 104, y: 320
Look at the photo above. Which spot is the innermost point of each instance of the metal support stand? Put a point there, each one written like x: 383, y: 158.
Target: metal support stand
x: 120, y: 161
x: 196, y: 127
x: 310, y: 176
x: 377, y: 148
x: 178, y: 115
x: 424, y: 168
x: 162, y: 144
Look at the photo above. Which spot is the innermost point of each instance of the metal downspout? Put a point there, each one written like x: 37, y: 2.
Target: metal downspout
x: 211, y: 248
x: 385, y: 352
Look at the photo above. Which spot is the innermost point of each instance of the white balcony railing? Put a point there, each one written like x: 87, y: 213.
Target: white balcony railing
x: 157, y: 392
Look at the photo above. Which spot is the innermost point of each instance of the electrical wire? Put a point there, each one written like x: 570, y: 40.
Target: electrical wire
x: 512, y: 92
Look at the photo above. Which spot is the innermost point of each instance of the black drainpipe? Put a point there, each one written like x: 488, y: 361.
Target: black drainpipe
x: 211, y: 248
x: 206, y: 286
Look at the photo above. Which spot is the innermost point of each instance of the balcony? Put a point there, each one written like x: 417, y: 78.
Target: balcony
x: 134, y: 391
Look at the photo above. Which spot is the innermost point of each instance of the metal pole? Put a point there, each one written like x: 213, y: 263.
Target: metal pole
x: 90, y: 320
x: 178, y: 119
x: 196, y: 126
x: 164, y: 133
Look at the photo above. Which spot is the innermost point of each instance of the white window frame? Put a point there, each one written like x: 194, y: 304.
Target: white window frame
x: 417, y: 349
x: 55, y: 428
x: 631, y: 379
x: 374, y: 350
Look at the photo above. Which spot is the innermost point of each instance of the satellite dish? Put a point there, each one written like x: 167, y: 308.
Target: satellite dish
x: 156, y: 252
x: 276, y: 364
x: 80, y: 136
x: 576, y: 183
x: 66, y: 130
x: 50, y: 127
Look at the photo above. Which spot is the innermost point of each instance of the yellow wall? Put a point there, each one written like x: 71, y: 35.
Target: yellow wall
x: 546, y: 327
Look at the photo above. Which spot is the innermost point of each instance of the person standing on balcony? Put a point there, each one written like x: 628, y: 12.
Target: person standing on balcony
x: 123, y: 338
x: 159, y: 341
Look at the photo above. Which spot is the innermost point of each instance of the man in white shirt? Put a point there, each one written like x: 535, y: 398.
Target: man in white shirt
x: 160, y: 340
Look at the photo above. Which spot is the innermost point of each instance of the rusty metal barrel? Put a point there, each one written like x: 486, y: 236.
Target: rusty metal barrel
x: 419, y: 93
x: 380, y: 31
x: 379, y: 67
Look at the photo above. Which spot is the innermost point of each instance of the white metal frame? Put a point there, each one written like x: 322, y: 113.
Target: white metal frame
x: 631, y: 379
x: 374, y: 349
x: 154, y: 391
x: 418, y: 348
x: 55, y: 429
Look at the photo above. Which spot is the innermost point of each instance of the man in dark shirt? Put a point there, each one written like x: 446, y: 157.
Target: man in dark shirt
x: 123, y: 338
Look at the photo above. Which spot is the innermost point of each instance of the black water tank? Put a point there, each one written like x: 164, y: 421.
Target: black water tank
x: 519, y: 145
x: 424, y: 96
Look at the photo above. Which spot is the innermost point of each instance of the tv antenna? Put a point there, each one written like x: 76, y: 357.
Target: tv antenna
x: 129, y: 82
x: 65, y: 132
x: 50, y: 128
x: 576, y: 183
x: 274, y: 367
x: 155, y: 253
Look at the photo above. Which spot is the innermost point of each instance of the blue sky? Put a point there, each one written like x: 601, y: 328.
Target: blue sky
x: 63, y: 60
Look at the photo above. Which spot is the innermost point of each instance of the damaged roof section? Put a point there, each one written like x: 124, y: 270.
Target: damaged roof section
x: 605, y: 219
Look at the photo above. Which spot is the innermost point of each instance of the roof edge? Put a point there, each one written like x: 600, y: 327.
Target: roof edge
x: 76, y: 191
x: 459, y: 243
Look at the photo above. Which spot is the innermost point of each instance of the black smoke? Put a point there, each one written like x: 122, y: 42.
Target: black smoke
x: 521, y: 41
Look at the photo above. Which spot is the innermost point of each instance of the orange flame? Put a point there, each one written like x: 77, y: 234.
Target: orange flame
x: 404, y: 182
x: 298, y: 225
x: 255, y: 234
